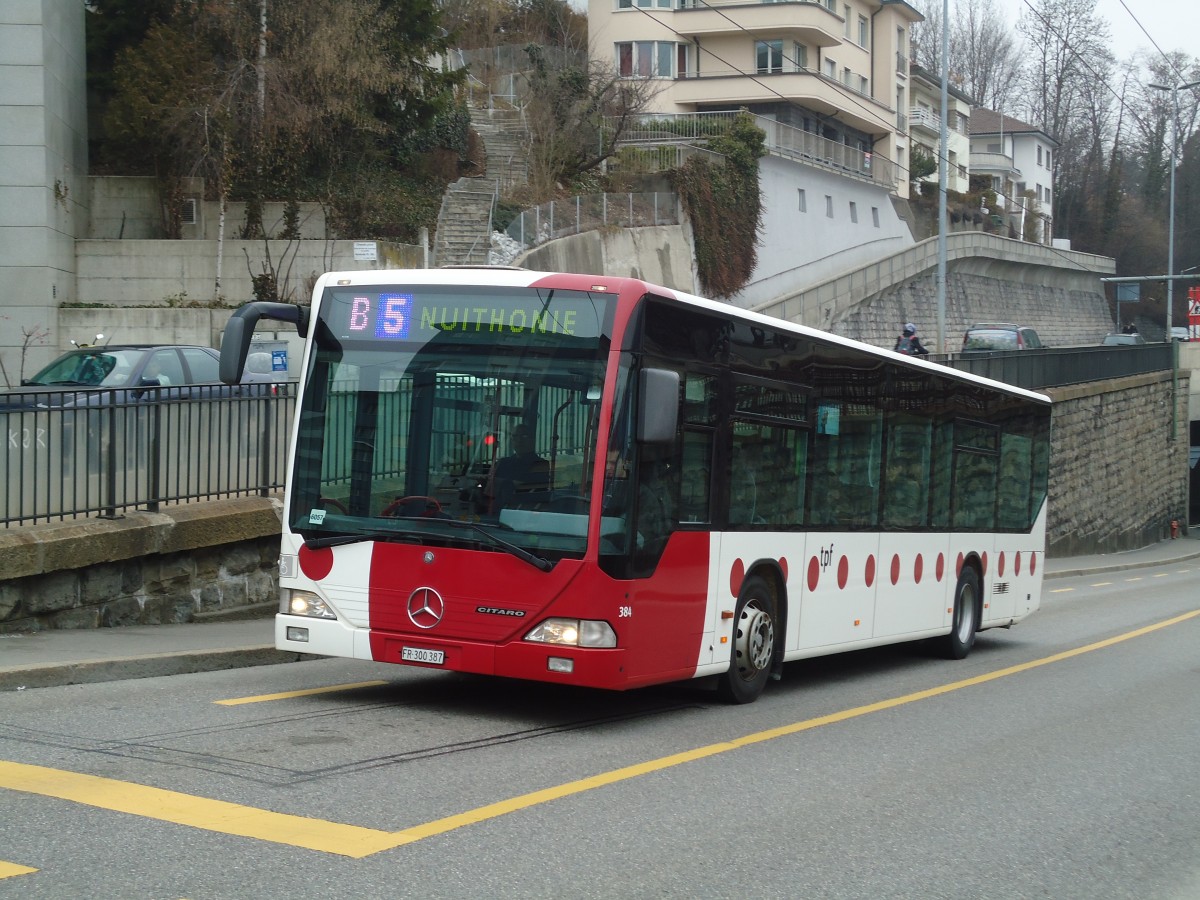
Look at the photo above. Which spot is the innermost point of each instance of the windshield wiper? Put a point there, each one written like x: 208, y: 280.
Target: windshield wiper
x: 519, y: 552
x: 337, y: 540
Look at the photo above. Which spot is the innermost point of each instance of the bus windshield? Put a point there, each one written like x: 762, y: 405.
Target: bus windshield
x: 452, y: 415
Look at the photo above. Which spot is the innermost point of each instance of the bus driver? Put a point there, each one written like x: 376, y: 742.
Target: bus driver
x: 521, y: 472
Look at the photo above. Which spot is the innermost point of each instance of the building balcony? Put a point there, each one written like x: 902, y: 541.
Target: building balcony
x: 823, y: 95
x: 798, y: 20
x: 782, y: 140
x: 993, y: 163
x: 921, y: 118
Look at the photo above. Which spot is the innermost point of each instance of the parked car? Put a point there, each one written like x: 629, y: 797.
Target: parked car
x: 121, y: 373
x: 1180, y: 333
x: 1122, y: 340
x: 989, y: 336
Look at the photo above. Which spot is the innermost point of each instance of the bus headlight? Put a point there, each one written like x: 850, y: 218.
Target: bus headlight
x: 305, y: 603
x: 574, y: 632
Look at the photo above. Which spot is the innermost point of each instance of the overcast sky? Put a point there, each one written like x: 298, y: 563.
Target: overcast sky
x: 1172, y: 24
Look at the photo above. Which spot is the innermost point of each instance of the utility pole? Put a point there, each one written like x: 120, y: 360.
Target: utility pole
x: 943, y: 163
x: 1174, y: 89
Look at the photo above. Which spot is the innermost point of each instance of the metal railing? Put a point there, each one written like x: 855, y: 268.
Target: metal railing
x: 119, y: 454
x: 560, y: 218
x: 1057, y: 367
x: 782, y: 140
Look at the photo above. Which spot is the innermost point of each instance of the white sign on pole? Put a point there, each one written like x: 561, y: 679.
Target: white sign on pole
x: 365, y: 251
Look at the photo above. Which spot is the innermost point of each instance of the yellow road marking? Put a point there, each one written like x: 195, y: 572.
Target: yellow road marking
x: 1062, y: 590
x: 1102, y: 584
x: 284, y: 695
x: 1139, y: 578
x: 8, y: 870
x: 197, y: 812
x: 352, y: 841
x: 1162, y: 575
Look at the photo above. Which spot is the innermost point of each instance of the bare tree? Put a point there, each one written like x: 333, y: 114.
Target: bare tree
x: 984, y: 58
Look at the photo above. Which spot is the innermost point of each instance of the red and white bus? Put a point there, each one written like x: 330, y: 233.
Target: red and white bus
x: 696, y: 490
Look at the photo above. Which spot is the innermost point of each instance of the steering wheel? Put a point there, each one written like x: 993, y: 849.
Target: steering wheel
x: 336, y: 504
x: 432, y: 507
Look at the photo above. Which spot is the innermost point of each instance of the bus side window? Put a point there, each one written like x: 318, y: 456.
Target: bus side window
x: 695, y: 488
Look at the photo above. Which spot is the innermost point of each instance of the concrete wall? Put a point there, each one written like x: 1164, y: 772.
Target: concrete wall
x: 661, y: 254
x: 178, y: 273
x: 43, y: 173
x: 988, y: 278
x: 130, y: 208
x: 798, y: 247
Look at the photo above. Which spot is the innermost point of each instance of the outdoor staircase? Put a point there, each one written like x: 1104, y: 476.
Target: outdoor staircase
x: 506, y: 143
x: 464, y: 229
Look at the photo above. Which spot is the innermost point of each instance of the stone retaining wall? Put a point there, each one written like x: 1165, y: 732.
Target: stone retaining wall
x: 1118, y: 464
x: 192, y: 562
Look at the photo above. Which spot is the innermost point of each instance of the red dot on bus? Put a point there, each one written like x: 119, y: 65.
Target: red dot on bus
x: 941, y: 566
x: 1000, y: 565
x: 1032, y: 563
x: 316, y: 564
x: 736, y: 576
x: 783, y: 566
x: 814, y: 573
x: 895, y: 568
x: 1017, y: 563
x: 843, y: 572
x: 918, y: 568
x: 983, y: 560
x: 870, y: 573
x: 958, y: 566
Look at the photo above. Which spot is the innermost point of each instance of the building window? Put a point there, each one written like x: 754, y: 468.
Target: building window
x: 828, y: 206
x: 1048, y: 166
x: 831, y: 5
x: 800, y: 57
x: 1047, y: 196
x: 645, y: 4
x: 853, y: 212
x: 875, y: 215
x: 862, y: 31
x: 846, y: 24
x: 831, y: 68
x: 1039, y: 154
x: 769, y: 56
x: 862, y: 84
x: 1039, y: 193
x: 846, y: 76
x: 645, y: 59
x: 993, y: 148
x: 803, y: 200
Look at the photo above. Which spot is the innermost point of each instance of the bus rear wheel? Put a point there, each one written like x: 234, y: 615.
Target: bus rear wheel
x: 957, y: 644
x: 753, y: 643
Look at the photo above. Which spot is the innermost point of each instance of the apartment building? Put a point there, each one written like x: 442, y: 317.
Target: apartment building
x: 837, y: 70
x: 1019, y: 160
x: 925, y: 126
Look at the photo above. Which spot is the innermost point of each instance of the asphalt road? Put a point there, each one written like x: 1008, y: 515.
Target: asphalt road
x: 1059, y: 760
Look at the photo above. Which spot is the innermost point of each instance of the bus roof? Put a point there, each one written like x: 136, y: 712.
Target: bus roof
x: 509, y: 276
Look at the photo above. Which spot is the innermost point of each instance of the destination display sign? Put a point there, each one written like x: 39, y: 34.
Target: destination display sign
x: 400, y: 315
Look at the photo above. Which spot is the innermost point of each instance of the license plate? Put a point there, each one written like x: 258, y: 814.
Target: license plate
x: 421, y: 655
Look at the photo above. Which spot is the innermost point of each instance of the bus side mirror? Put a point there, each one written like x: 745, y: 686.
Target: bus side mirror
x: 658, y: 406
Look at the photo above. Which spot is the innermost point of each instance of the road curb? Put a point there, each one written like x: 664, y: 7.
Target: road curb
x: 150, y: 666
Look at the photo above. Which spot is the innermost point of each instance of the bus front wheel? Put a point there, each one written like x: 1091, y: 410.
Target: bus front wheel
x: 957, y: 644
x: 753, y: 643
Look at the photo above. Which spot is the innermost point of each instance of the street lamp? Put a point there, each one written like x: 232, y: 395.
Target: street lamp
x: 1174, y: 89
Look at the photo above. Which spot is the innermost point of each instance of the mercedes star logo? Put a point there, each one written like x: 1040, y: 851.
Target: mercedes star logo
x: 425, y: 607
